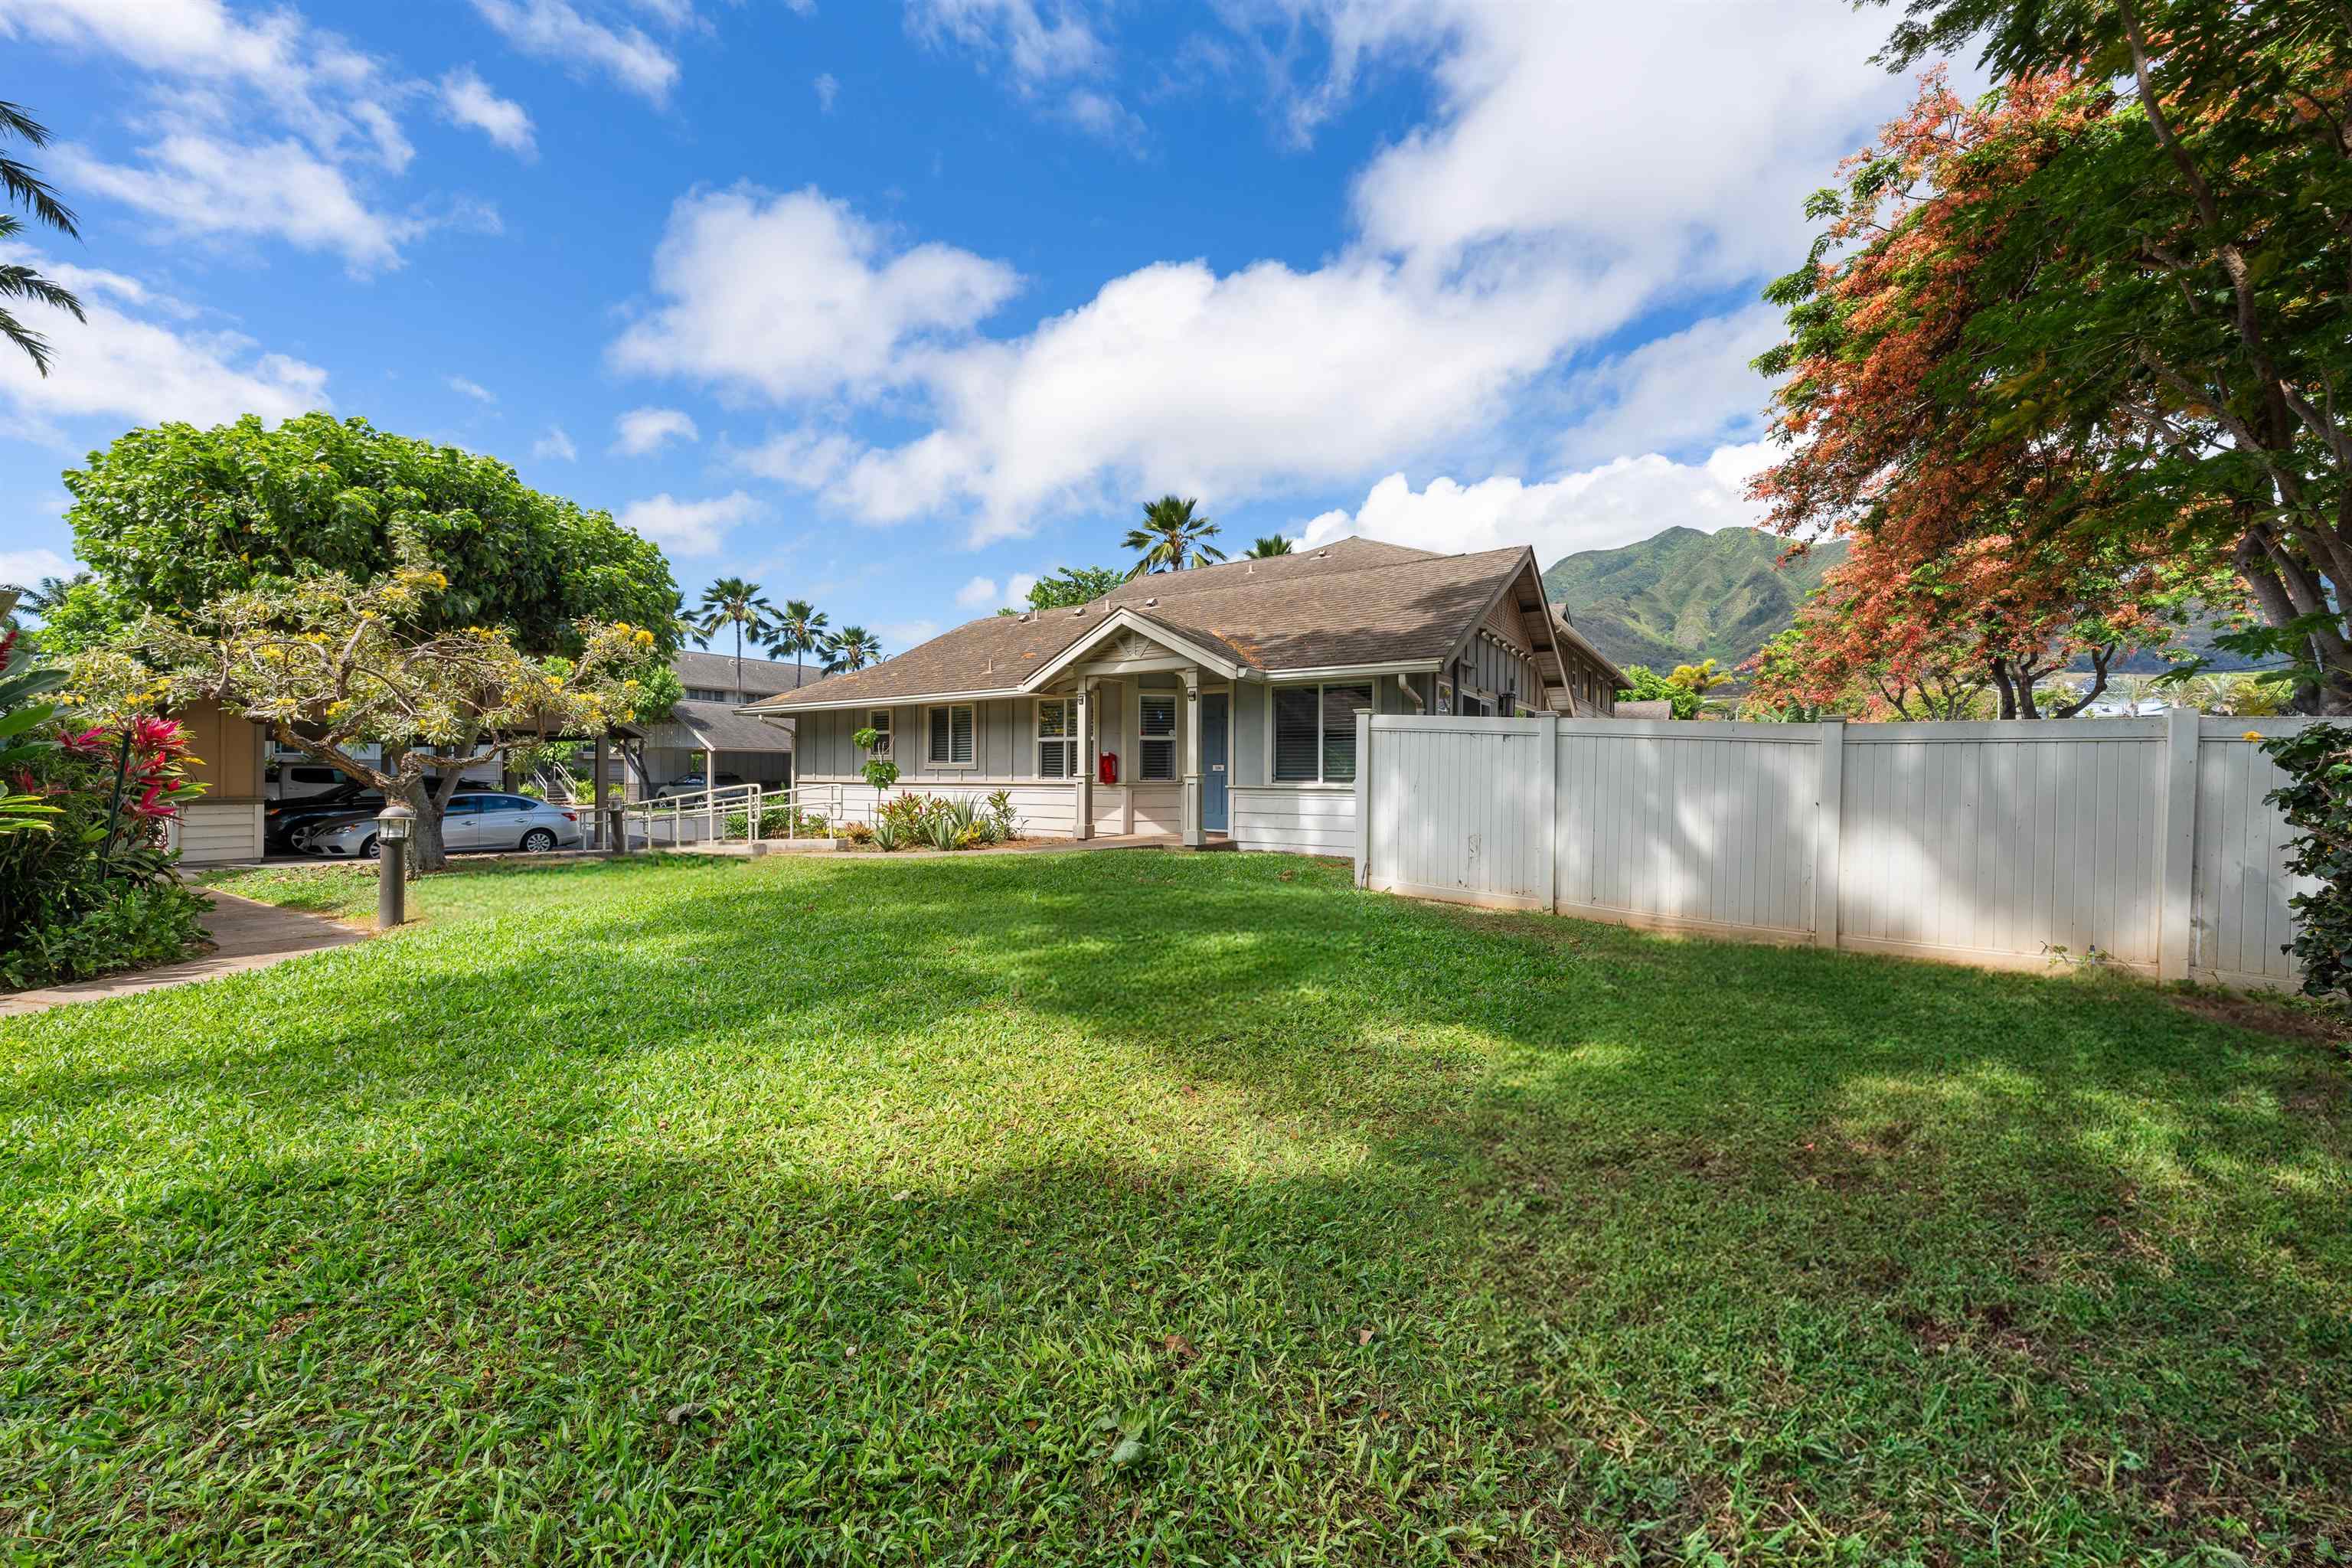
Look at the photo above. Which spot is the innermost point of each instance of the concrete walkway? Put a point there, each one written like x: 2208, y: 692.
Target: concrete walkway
x: 247, y: 935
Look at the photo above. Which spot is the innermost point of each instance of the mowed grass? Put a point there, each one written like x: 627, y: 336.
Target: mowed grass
x: 1136, y: 1207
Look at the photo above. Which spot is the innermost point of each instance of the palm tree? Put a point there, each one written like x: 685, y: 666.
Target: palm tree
x: 800, y: 629
x: 47, y: 597
x: 731, y: 601
x: 1171, y: 538
x: 854, y: 648
x: 18, y: 282
x: 1270, y: 544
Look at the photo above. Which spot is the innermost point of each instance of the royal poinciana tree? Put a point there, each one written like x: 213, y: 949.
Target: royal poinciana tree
x: 2070, y: 357
x: 364, y: 677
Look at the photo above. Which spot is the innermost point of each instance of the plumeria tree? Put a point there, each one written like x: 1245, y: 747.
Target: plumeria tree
x: 336, y: 668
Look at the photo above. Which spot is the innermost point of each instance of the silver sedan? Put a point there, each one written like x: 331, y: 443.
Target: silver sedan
x: 473, y: 822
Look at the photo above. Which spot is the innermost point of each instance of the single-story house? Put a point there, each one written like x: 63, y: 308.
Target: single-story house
x: 1214, y: 703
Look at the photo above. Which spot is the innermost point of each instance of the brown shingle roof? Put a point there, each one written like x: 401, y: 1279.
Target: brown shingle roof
x: 1358, y: 603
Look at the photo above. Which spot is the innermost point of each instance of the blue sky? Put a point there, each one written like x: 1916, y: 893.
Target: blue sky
x: 893, y: 304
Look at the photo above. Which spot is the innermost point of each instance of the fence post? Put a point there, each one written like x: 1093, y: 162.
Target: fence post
x: 1829, y: 831
x: 1363, y: 796
x: 1547, y: 802
x: 2176, y: 849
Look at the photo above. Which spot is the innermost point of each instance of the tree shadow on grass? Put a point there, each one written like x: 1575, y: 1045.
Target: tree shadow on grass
x: 1660, y: 1236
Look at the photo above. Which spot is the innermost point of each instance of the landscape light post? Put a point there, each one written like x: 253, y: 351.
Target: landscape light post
x: 394, y: 824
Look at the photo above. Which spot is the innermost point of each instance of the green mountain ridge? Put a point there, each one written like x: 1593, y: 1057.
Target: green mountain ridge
x: 1682, y: 596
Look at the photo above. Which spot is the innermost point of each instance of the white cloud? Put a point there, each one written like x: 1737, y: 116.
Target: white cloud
x: 335, y: 97
x: 897, y: 637
x: 1038, y: 45
x: 255, y: 125
x: 1174, y: 377
x: 554, y: 447
x: 828, y: 90
x: 25, y: 568
x: 125, y: 364
x: 794, y: 295
x: 979, y: 593
x: 1017, y: 586
x: 1582, y: 173
x: 202, y: 184
x: 555, y: 30
x: 466, y: 100
x: 473, y: 389
x: 1690, y: 388
x: 643, y: 430
x: 689, y: 527
x: 1618, y: 502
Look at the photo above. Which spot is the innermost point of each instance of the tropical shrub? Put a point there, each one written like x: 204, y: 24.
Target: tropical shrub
x: 886, y: 834
x: 780, y: 821
x: 2316, y: 801
x: 86, y: 883
x: 1001, y: 823
x: 950, y: 824
x: 879, y: 770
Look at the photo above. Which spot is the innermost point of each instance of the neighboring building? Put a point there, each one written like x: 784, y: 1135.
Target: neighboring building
x: 1225, y: 696
x: 224, y: 822
x: 708, y: 731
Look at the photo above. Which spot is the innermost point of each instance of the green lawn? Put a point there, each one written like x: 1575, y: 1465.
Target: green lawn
x: 1153, y: 1208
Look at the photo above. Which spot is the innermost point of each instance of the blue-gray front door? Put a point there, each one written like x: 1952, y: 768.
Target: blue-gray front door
x: 1216, y: 769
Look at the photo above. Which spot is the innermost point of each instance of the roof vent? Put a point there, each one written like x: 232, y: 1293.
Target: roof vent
x: 1149, y: 603
x: 1322, y: 555
x: 1079, y: 611
x: 1027, y: 615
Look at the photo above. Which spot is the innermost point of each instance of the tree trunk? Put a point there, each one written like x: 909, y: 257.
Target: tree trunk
x: 2005, y: 685
x: 426, y: 851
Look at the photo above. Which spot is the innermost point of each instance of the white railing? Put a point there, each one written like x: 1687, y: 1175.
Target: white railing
x: 705, y: 816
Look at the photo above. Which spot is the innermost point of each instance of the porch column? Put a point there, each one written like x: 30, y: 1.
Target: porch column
x: 710, y: 802
x: 1196, y: 837
x: 1084, y: 800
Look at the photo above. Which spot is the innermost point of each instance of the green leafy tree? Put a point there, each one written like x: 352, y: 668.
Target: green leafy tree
x: 1173, y: 537
x: 2097, y: 316
x: 800, y: 629
x: 1069, y: 587
x: 732, y: 602
x: 369, y: 679
x: 1268, y: 545
x: 1647, y: 685
x: 174, y: 518
x: 852, y: 648
x: 17, y: 280
x: 48, y: 597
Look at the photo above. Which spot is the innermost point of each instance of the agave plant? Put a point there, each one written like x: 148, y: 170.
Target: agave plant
x: 886, y: 833
x: 953, y: 824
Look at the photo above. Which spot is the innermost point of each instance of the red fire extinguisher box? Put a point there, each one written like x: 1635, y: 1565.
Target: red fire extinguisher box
x: 1107, y: 769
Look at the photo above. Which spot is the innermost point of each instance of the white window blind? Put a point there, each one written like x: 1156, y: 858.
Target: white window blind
x: 1058, y: 742
x: 952, y: 735
x: 1157, y: 733
x: 1315, y: 732
x: 878, y: 721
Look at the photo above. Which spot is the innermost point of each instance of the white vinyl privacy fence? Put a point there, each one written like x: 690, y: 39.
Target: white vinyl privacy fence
x: 2146, y: 840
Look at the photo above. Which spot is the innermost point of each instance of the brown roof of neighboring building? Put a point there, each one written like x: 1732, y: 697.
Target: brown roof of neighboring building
x: 1356, y: 602
x: 716, y: 671
x: 721, y: 727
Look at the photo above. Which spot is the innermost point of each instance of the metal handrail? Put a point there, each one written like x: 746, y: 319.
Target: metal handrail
x: 716, y: 805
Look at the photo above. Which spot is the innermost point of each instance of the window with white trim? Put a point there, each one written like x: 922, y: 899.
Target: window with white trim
x: 1156, y: 736
x: 1315, y: 732
x: 1057, y: 738
x: 878, y: 721
x: 951, y: 735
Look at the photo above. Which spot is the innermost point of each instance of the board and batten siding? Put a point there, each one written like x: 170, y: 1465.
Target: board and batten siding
x: 2148, y: 842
